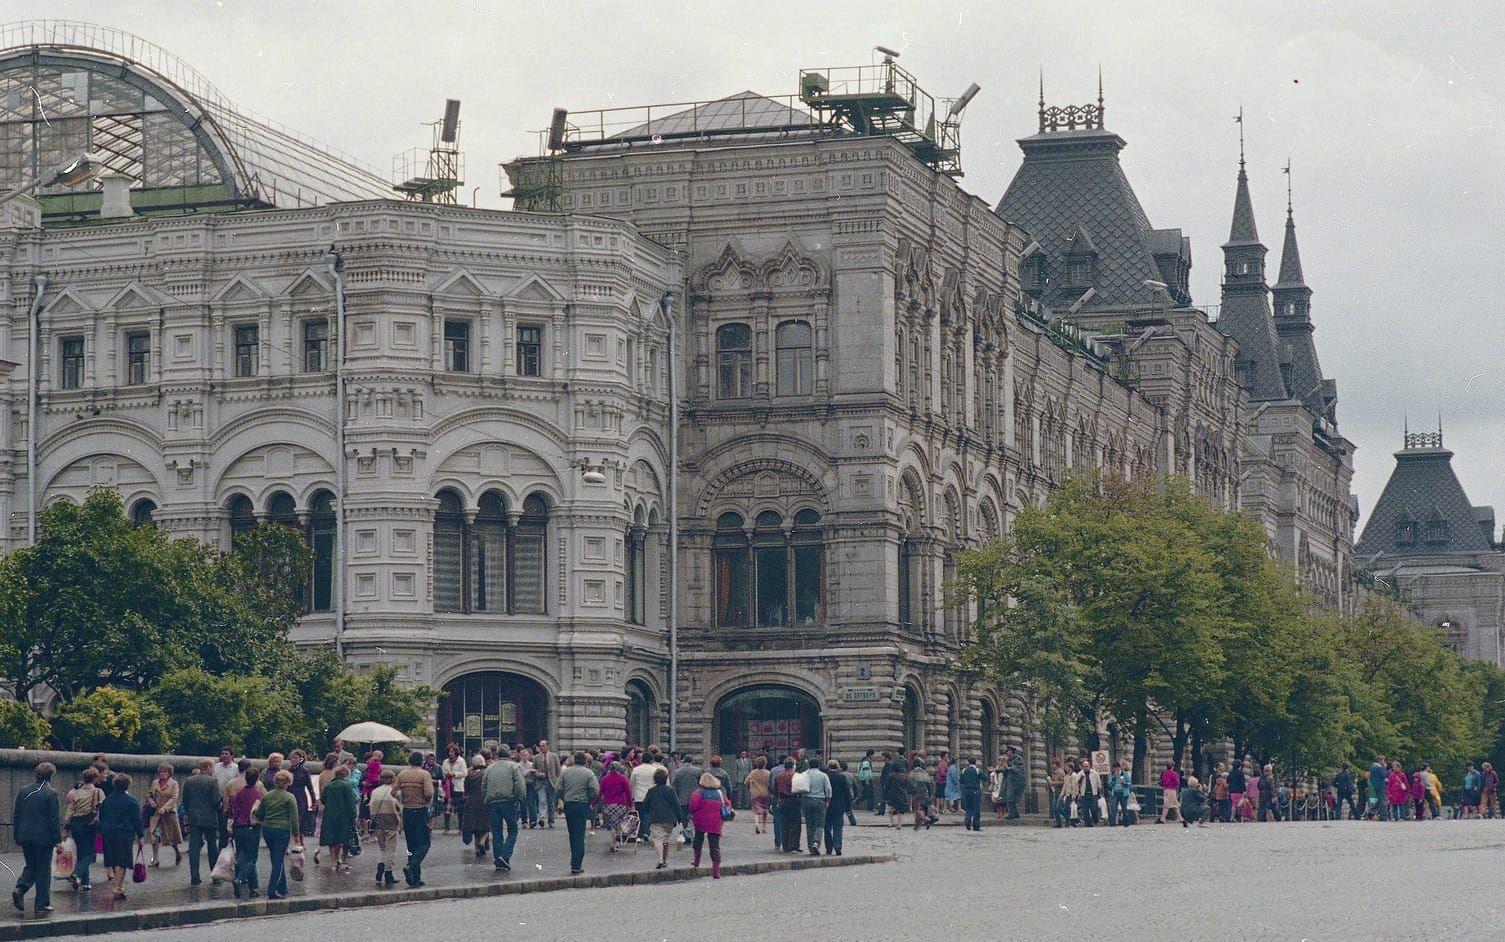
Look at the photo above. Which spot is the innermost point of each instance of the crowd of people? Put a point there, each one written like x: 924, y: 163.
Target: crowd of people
x: 227, y: 809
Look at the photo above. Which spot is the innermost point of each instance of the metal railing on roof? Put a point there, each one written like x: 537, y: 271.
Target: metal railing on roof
x: 94, y: 37
x: 739, y: 114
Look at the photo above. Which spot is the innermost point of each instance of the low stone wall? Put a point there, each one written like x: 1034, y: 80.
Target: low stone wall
x: 18, y: 769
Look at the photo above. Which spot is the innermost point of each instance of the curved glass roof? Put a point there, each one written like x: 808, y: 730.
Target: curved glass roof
x: 69, y: 87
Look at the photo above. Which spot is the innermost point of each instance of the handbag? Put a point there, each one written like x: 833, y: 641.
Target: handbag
x: 64, y: 858
x: 138, y: 872
x: 295, y: 862
x: 727, y: 813
x: 1133, y: 803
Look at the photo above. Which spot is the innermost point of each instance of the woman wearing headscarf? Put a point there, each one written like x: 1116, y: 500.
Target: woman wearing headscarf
x: 616, y: 800
x: 162, y: 799
x: 339, y: 800
x: 708, y: 804
x: 475, y: 824
x: 758, y: 795
x: 370, y: 777
x: 661, y: 814
x: 953, y: 785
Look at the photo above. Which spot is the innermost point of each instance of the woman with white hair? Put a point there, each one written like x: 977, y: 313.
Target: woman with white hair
x: 1194, y: 803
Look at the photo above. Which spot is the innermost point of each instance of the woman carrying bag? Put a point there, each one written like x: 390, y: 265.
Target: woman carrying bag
x: 709, y: 808
x: 120, y: 827
x: 277, y: 813
x: 162, y: 800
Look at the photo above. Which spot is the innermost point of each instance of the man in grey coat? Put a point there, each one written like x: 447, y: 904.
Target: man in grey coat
x: 685, y: 780
x: 38, y: 828
x: 201, y: 807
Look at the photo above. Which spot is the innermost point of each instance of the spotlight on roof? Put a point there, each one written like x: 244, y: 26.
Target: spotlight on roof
x: 887, y: 52
x: 451, y: 126
x: 961, y: 103
x: 556, y: 128
x: 81, y: 169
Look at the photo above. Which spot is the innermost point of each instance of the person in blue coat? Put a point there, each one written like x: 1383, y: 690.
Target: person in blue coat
x: 121, y: 828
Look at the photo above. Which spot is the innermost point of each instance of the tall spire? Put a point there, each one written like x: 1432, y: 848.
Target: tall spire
x: 1290, y: 255
x: 1243, y: 229
x: 1100, y: 122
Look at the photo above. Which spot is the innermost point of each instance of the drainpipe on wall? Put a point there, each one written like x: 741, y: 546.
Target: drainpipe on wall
x: 673, y: 513
x: 337, y: 270
x: 33, y: 330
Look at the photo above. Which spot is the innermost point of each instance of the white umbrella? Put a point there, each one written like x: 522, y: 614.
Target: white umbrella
x: 371, y: 733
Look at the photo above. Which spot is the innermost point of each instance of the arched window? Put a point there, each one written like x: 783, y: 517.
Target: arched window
x: 637, y: 589
x: 449, y: 553
x: 489, y: 566
x: 142, y: 510
x: 734, y: 361
x: 321, y: 536
x: 640, y: 714
x: 771, y: 559
x: 807, y: 540
x: 796, y: 358
x: 529, y: 557
x: 242, y: 518
x: 729, y: 550
x: 282, y: 509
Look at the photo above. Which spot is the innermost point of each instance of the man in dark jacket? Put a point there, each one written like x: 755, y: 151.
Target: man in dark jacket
x: 38, y: 828
x: 837, y: 808
x: 201, y: 804
x: 970, y: 780
x: 685, y: 780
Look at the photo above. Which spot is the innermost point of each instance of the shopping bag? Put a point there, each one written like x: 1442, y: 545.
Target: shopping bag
x: 1073, y: 814
x: 99, y: 844
x: 295, y: 862
x: 1102, y: 807
x: 224, y: 867
x: 138, y: 872
x: 1133, y: 804
x: 64, y: 858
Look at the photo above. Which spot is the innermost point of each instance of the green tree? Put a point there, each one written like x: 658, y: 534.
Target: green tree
x: 333, y: 697
x: 252, y: 713
x: 20, y: 725
x: 112, y: 719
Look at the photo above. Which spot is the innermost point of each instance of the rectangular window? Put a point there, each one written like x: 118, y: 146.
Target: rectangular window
x: 806, y: 585
x: 138, y: 352
x: 731, y: 588
x: 528, y: 576
x: 247, y: 349
x: 457, y: 346
x: 529, y: 350
x: 773, y: 587
x: 316, y: 345
x: 71, y: 353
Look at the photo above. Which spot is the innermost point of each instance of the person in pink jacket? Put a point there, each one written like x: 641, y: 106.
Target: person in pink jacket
x: 1397, y: 788
x: 706, y: 808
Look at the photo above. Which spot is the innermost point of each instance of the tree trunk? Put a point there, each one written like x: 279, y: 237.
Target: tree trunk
x: 1141, y: 753
x: 1198, y: 762
x: 1178, y: 741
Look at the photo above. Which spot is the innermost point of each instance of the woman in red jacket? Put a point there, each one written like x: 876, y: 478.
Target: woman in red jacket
x: 616, y: 801
x: 1397, y: 790
x: 707, y: 805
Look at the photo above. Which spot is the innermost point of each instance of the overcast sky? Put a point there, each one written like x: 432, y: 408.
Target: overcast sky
x: 1391, y: 119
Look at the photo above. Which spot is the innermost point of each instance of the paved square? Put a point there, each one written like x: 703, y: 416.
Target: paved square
x: 1348, y: 880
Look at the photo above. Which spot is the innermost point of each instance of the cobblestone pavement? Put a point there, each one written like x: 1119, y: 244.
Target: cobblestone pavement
x: 1349, y: 880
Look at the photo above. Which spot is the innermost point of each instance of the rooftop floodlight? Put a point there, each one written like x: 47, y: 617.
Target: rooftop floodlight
x: 966, y: 99
x: 889, y: 53
x: 1152, y: 283
x: 451, y: 127
x: 77, y: 172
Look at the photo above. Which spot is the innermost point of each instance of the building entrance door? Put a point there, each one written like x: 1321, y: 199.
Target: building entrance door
x: 768, y: 719
x: 492, y: 706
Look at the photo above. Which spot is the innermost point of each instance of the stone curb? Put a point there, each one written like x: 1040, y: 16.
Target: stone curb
x: 171, y: 918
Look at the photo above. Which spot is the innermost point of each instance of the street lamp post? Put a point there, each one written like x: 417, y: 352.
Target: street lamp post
x: 76, y: 172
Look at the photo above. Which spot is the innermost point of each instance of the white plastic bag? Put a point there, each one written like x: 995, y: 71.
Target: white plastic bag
x: 64, y: 857
x: 1102, y: 808
x: 224, y: 867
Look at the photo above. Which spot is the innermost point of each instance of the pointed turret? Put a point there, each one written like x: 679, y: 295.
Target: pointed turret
x: 1293, y: 325
x: 1245, y: 313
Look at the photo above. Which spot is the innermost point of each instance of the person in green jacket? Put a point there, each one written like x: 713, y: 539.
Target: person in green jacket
x: 278, y: 814
x: 339, y: 800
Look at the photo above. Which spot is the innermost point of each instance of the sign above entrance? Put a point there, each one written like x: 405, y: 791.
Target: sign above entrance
x: 859, y: 694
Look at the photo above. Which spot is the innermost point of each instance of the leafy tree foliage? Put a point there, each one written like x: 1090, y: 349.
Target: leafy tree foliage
x: 1141, y: 602
x: 152, y: 644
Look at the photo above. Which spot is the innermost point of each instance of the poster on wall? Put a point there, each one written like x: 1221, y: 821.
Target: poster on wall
x: 472, y: 726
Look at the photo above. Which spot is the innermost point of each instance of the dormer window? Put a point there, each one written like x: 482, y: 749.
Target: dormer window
x: 1405, y: 532
x: 1436, y: 530
x: 1033, y: 272
x: 1079, y: 272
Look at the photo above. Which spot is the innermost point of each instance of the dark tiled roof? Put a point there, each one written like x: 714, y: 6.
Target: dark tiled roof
x: 1245, y: 316
x: 1243, y: 229
x: 1421, y: 489
x: 1298, y: 351
x: 1071, y: 186
x: 1290, y: 259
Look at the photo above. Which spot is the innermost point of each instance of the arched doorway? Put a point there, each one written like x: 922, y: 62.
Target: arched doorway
x: 913, y: 733
x: 768, y: 718
x: 989, y: 736
x: 492, y: 706
x: 642, y: 709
